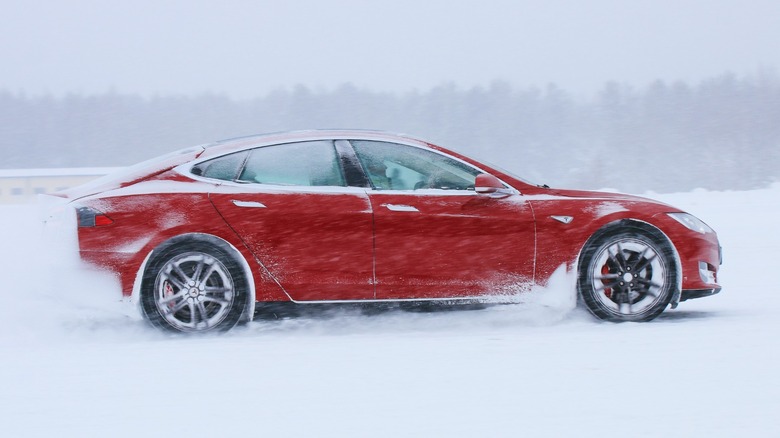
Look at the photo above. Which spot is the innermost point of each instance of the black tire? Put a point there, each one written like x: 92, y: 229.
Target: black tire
x: 627, y: 272
x: 193, y: 286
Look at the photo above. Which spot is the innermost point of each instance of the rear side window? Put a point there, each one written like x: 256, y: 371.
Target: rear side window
x: 224, y: 168
x: 312, y: 163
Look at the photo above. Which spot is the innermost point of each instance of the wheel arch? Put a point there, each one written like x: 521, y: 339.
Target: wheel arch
x: 622, y: 223
x: 209, y: 239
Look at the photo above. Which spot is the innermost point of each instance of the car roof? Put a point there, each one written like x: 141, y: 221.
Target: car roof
x: 314, y: 134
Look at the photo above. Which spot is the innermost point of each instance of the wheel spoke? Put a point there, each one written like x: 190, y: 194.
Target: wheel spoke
x: 640, y: 257
x: 613, y: 257
x: 176, y: 268
x: 647, y: 287
x: 176, y: 282
x: 603, y: 286
x: 203, y: 278
x: 644, y: 262
x: 193, y: 313
x: 617, y: 258
x: 648, y: 282
x: 621, y: 258
x: 204, y: 314
x: 205, y: 269
x: 222, y: 303
x: 651, y: 293
x: 174, y: 297
x: 212, y: 290
x: 172, y: 310
x: 199, y: 269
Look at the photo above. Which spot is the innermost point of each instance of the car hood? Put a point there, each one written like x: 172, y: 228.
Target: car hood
x: 601, y: 196
x: 592, y: 194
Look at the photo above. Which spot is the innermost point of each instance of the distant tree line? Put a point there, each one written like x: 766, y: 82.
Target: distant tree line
x: 722, y: 133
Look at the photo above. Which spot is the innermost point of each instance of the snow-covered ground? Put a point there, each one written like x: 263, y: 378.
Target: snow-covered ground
x: 77, y: 362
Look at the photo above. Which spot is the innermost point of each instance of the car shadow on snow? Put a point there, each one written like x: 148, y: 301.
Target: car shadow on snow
x: 286, y: 310
x: 685, y: 315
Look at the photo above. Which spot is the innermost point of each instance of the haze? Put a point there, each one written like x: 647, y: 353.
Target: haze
x: 245, y: 49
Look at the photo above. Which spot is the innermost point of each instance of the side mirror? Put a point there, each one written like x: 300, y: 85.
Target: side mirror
x: 487, y: 184
x: 490, y: 185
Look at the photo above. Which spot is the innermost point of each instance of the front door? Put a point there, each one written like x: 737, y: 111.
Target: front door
x: 435, y: 237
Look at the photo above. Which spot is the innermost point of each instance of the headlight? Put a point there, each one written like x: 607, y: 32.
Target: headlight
x: 691, y: 222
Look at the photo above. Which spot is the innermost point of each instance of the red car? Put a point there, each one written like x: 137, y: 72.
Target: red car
x: 203, y: 234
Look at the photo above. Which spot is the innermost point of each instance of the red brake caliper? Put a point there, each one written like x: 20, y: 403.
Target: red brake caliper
x: 605, y: 271
x: 168, y: 291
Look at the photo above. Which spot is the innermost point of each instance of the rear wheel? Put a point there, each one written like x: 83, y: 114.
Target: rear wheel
x: 628, y: 272
x: 195, y: 287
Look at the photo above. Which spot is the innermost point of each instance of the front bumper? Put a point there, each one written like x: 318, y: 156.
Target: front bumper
x: 697, y: 293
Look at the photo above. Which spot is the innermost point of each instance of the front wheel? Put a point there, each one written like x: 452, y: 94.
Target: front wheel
x: 628, y: 272
x: 193, y: 286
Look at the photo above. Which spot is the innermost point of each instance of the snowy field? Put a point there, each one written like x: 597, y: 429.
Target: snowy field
x: 78, y: 362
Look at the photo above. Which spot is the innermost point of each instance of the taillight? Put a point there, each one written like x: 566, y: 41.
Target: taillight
x: 89, y: 217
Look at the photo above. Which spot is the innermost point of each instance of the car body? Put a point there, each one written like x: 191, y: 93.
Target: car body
x: 202, y: 234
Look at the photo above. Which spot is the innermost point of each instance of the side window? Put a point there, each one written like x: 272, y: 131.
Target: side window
x: 391, y: 166
x: 225, y: 168
x: 312, y: 163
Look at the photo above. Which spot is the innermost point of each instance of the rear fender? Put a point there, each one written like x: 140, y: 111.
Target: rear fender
x: 249, y: 311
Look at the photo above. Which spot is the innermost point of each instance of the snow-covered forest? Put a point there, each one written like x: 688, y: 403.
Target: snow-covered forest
x: 719, y: 133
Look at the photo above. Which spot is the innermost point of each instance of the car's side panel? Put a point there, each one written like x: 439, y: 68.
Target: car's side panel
x: 439, y: 245
x: 566, y: 223
x: 142, y: 222
x: 559, y: 242
x: 316, y: 244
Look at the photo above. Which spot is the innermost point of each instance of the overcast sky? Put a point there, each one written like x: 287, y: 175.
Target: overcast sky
x: 249, y: 48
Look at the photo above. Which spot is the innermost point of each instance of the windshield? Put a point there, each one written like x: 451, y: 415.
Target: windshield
x: 508, y: 172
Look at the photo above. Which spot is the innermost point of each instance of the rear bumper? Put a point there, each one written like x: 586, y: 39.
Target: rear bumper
x: 121, y: 264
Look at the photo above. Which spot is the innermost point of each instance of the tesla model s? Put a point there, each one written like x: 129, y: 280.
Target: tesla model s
x: 202, y: 235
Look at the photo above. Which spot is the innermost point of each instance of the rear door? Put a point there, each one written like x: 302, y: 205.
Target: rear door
x: 291, y: 207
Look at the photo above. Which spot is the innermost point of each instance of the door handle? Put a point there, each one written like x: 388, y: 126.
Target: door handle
x: 248, y: 204
x: 398, y: 207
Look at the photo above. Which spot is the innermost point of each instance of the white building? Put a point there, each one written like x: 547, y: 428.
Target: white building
x: 23, y: 185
